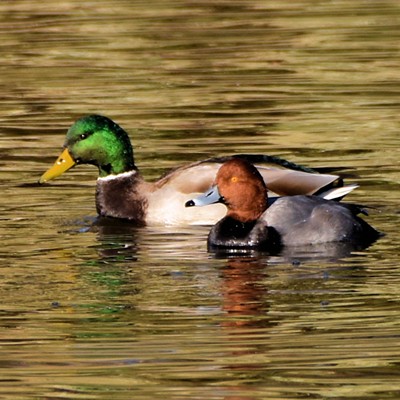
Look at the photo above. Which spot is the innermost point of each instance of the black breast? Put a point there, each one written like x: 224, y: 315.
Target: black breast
x: 230, y: 233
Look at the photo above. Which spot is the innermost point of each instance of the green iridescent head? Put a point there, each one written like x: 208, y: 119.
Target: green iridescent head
x: 95, y: 140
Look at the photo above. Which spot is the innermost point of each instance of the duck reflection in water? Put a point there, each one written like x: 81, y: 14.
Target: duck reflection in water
x: 118, y: 240
x: 243, y: 292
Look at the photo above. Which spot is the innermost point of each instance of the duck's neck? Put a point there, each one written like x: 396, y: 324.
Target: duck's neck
x: 116, y: 156
x: 245, y: 216
x: 247, y: 208
x: 117, y: 167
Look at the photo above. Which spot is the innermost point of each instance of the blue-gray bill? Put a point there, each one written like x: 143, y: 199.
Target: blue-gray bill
x: 210, y: 197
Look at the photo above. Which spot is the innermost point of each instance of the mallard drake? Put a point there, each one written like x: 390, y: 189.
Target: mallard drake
x: 123, y: 193
x: 290, y: 221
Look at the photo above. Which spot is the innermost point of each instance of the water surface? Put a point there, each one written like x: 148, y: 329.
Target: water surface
x: 114, y: 311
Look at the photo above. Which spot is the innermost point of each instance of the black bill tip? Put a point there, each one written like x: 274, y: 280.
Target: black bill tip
x: 190, y: 203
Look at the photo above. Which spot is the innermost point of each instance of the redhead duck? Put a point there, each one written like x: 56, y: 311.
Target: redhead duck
x: 289, y: 221
x: 122, y: 192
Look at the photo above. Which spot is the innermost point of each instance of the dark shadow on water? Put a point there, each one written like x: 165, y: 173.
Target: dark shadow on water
x: 322, y: 251
x: 118, y: 240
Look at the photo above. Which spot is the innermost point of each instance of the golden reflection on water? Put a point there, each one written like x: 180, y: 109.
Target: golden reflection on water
x: 101, y: 312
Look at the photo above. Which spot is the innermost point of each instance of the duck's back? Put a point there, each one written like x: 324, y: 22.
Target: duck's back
x: 304, y: 220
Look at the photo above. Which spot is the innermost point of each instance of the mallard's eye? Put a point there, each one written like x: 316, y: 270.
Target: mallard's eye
x: 83, y: 136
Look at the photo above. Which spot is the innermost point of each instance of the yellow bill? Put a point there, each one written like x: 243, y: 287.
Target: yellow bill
x: 64, y: 163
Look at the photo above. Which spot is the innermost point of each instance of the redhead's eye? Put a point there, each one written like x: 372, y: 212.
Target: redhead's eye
x: 234, y: 179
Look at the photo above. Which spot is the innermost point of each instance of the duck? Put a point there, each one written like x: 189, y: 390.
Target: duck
x: 123, y: 193
x: 252, y: 223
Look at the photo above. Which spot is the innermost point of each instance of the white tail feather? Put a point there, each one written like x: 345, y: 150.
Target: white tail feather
x: 338, y: 193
